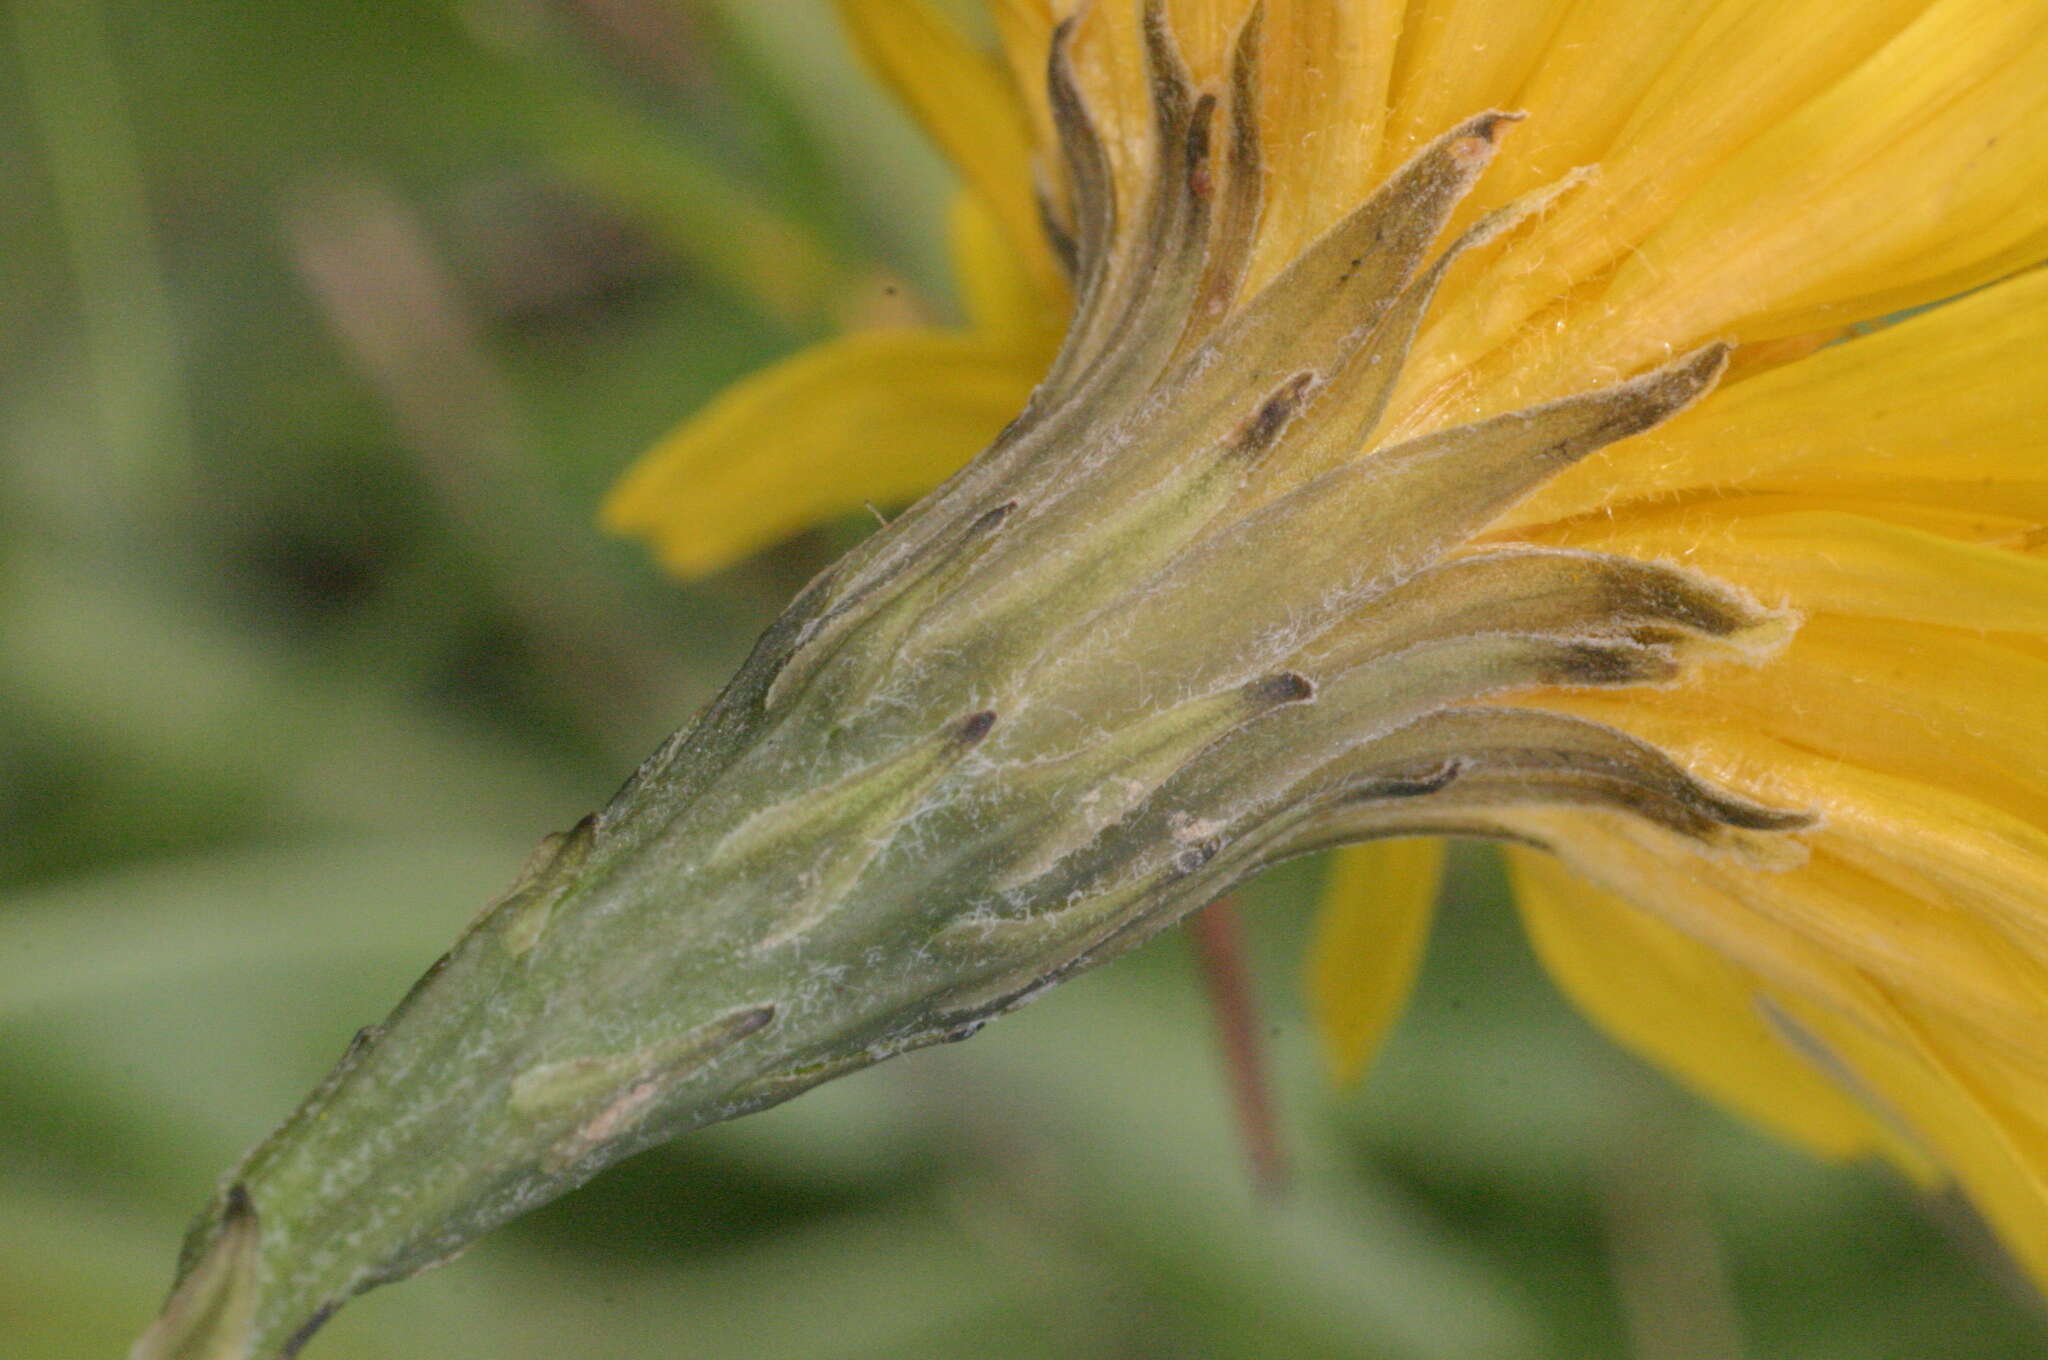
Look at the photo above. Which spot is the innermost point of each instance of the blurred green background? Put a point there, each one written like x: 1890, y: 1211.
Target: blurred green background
x: 322, y: 329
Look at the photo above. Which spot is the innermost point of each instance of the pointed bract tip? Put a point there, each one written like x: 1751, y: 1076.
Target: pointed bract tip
x: 1684, y: 380
x: 1708, y: 362
x: 1479, y: 138
x: 976, y: 727
x: 211, y: 1314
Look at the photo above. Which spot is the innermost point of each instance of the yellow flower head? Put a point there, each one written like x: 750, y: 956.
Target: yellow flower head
x: 1391, y: 320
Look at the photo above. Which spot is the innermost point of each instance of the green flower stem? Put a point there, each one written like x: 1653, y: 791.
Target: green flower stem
x: 627, y: 989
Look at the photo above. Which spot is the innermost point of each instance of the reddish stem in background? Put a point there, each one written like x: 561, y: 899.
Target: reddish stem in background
x: 1218, y: 939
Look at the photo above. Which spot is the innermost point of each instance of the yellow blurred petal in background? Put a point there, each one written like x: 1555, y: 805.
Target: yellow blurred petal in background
x: 964, y: 101
x: 874, y: 418
x: 1371, y: 929
x: 1680, y: 1004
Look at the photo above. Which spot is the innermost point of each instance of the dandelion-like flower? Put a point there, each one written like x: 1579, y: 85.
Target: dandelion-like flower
x: 1460, y: 428
x: 1819, y: 591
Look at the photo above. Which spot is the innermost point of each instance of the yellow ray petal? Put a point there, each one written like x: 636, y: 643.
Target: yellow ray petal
x: 875, y: 417
x: 964, y: 100
x: 1024, y: 34
x: 1575, y: 113
x: 1934, y: 843
x: 1457, y: 59
x: 1928, y: 159
x: 1650, y: 868
x: 1370, y: 934
x: 1685, y: 1007
x: 1002, y: 299
x: 1889, y: 505
x: 2007, y: 508
x: 1997, y: 513
x: 1917, y: 1081
x: 1825, y: 929
x: 1996, y: 1152
x: 1947, y: 959
x: 1743, y: 68
x: 1324, y: 90
x: 1825, y: 932
x: 1762, y: 188
x: 1830, y: 560
x: 1855, y: 253
x: 1934, y: 704
x: 2017, y: 1085
x: 1205, y: 29
x: 1956, y: 394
